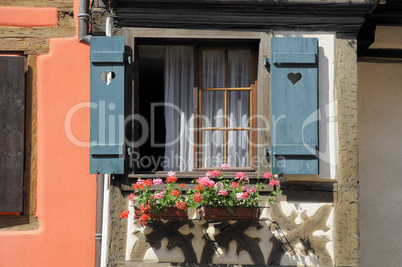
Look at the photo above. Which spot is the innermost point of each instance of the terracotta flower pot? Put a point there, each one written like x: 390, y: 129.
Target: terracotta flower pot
x: 171, y: 213
x: 223, y: 213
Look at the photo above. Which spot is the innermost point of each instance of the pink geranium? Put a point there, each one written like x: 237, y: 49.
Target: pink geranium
x: 268, y: 175
x: 235, y: 185
x: 159, y: 195
x: 242, y: 176
x: 251, y: 190
x: 273, y: 182
x: 224, y: 166
x: 157, y: 181
x: 223, y: 192
x: 206, y: 182
x: 218, y: 185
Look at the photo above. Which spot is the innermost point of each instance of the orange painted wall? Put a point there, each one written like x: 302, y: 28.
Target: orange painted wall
x: 28, y: 16
x: 66, y: 192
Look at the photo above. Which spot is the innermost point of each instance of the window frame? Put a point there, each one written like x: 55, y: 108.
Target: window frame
x: 27, y: 219
x: 198, y: 103
x: 260, y: 41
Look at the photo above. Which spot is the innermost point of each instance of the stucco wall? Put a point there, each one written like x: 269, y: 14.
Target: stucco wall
x: 65, y: 190
x: 380, y: 153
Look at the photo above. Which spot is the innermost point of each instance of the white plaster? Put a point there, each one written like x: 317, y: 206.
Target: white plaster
x: 298, y: 220
x: 193, y: 214
x: 231, y: 256
x: 300, y: 207
x: 299, y: 260
x: 311, y: 209
x: 264, y: 215
x: 150, y: 255
x: 328, y: 138
x: 265, y: 235
x: 131, y: 228
x: 174, y: 255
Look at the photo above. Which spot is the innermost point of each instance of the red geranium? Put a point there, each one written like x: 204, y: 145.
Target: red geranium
x: 176, y: 193
x: 148, y: 182
x: 131, y: 196
x: 181, y: 205
x: 145, y: 207
x: 182, y: 185
x: 138, y: 186
x: 144, y: 219
x: 197, y: 197
x: 199, y: 188
x: 124, y: 214
x: 171, y: 179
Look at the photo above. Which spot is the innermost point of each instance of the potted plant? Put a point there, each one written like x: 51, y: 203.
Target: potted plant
x: 236, y: 199
x: 158, y: 204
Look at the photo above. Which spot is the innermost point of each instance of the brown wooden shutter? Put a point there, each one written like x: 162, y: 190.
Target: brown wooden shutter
x: 12, y: 121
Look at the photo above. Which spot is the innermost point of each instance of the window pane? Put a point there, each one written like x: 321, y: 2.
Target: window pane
x: 239, y: 148
x: 239, y: 68
x: 213, y: 69
x: 212, y: 148
x: 239, y: 108
x: 213, y: 103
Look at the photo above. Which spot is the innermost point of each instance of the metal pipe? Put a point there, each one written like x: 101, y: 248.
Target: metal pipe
x: 105, y: 219
x: 83, y: 18
x: 99, y: 218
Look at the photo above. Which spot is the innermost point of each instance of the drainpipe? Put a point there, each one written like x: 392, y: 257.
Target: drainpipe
x: 83, y: 18
x: 99, y: 214
x: 105, y: 219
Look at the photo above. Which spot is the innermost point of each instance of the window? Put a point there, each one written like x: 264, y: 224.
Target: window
x: 225, y: 107
x: 197, y: 102
x: 18, y: 137
x: 12, y: 125
x: 194, y: 105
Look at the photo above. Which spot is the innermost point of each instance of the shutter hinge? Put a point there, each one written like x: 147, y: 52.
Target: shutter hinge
x: 267, y: 154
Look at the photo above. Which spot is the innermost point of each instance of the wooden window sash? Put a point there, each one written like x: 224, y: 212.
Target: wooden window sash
x: 251, y: 88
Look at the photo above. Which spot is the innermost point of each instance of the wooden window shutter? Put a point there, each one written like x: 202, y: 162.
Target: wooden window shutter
x: 294, y: 106
x: 12, y: 130
x: 107, y: 105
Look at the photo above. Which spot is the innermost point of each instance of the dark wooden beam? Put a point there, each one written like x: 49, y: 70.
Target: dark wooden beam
x: 237, y: 14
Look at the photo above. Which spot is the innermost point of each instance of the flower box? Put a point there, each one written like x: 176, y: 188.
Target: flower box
x: 171, y: 213
x: 224, y: 213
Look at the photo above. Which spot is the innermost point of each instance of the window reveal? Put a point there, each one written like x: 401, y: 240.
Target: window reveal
x: 220, y: 132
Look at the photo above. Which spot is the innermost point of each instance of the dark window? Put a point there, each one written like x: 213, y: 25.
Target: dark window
x: 12, y: 133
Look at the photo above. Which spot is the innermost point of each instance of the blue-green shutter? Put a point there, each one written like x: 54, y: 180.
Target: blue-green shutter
x: 294, y: 105
x: 107, y: 105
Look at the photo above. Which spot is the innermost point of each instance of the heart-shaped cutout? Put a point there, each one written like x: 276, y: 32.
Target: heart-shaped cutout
x: 107, y: 77
x: 294, y: 78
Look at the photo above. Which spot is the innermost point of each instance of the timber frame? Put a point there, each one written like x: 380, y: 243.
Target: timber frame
x: 32, y: 42
x: 343, y: 17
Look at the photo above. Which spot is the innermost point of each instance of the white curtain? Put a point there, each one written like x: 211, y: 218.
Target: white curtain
x: 213, y: 63
x: 239, y: 108
x: 179, y: 84
x: 213, y: 69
